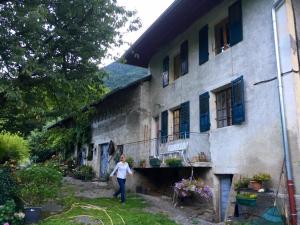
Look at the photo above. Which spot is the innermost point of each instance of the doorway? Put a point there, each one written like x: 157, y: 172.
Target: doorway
x: 104, y: 161
x: 225, y: 186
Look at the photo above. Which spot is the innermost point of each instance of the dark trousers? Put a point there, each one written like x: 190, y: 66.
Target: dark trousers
x: 121, y: 189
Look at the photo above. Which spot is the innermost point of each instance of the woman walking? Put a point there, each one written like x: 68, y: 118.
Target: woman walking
x: 122, y: 169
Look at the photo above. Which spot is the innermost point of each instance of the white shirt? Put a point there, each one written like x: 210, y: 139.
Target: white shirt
x: 122, y: 168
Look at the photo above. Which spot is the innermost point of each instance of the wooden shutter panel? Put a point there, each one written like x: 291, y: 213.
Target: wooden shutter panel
x: 165, y: 75
x: 184, y: 65
x: 204, y: 112
x: 203, y: 45
x: 235, y: 23
x: 164, y: 126
x: 238, y: 103
x: 184, y: 125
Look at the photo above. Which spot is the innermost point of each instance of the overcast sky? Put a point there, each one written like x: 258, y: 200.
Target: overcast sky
x: 148, y: 11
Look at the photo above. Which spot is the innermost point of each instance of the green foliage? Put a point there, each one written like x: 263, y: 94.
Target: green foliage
x: 154, y: 162
x: 13, y: 147
x: 9, y: 215
x: 39, y: 183
x: 50, y: 56
x: 130, y: 161
x: 85, y: 173
x: 174, y: 162
x: 8, y: 185
x: 242, y: 183
x: 247, y: 195
x: 262, y: 177
x: 46, y: 143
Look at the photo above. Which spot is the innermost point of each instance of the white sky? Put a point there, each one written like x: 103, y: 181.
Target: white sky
x: 148, y: 11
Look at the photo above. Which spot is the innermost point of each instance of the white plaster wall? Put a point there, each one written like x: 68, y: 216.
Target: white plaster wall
x: 254, y: 146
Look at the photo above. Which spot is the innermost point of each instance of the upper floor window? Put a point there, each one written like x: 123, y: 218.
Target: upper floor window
x: 176, y: 124
x: 165, y: 74
x: 184, y: 63
x: 223, y: 101
x: 229, y: 31
x: 176, y: 67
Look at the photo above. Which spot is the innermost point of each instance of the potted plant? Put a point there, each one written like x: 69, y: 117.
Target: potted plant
x: 85, y: 173
x: 174, y: 162
x: 258, y: 180
x: 242, y: 183
x: 143, y: 163
x: 130, y: 161
x: 38, y: 184
x: 246, y: 198
x: 154, y: 162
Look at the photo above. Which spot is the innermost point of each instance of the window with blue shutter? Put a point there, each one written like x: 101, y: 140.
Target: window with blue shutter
x: 237, y: 101
x: 185, y: 120
x: 204, y: 112
x: 165, y: 75
x: 164, y: 127
x: 203, y: 45
x: 235, y: 23
x: 184, y: 65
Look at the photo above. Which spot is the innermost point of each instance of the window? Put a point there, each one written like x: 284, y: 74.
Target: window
x: 90, y: 152
x: 231, y: 104
x: 222, y: 36
x: 165, y: 75
x: 204, y: 112
x: 203, y: 45
x: 184, y: 53
x: 176, y: 124
x: 120, y: 149
x: 176, y: 67
x: 229, y: 31
x: 164, y: 126
x: 224, y: 115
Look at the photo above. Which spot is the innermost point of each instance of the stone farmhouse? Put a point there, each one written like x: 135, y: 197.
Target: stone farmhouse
x: 211, y: 97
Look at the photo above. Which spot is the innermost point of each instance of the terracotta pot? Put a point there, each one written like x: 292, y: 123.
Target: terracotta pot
x: 255, y: 185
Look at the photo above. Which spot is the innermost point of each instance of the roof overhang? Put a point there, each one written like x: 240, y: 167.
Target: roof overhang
x: 175, y: 20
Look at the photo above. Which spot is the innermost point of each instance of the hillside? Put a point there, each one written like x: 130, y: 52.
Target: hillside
x: 122, y: 74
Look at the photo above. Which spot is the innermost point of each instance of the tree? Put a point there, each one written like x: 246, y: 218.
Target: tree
x: 50, y: 53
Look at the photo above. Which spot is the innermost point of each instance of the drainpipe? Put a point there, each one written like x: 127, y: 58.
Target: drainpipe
x: 287, y: 157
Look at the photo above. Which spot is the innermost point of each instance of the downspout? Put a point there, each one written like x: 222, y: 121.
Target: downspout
x: 287, y: 157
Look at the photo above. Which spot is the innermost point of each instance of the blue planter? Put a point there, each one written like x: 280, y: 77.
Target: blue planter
x: 33, y: 214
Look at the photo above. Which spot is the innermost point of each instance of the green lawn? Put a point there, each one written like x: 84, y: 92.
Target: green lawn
x: 109, y: 211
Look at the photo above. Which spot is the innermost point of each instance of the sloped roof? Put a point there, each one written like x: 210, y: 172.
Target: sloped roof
x: 175, y: 20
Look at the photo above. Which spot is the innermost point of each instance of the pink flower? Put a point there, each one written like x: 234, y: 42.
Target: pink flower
x: 6, y: 224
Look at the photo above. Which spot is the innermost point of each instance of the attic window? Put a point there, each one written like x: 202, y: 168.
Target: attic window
x: 222, y: 36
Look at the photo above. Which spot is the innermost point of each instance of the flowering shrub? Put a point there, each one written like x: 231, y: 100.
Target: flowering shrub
x: 186, y: 187
x: 8, y: 214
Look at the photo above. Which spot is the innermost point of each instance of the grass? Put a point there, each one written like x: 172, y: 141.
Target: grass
x: 108, y: 211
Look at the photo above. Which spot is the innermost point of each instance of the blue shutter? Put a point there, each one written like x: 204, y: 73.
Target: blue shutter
x: 164, y: 126
x: 184, y: 125
x: 203, y: 45
x: 235, y: 23
x: 204, y: 112
x: 165, y: 77
x: 237, y: 102
x: 184, y: 65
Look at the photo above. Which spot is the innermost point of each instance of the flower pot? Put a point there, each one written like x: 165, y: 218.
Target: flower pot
x: 246, y: 201
x: 255, y: 185
x: 154, y: 162
x: 33, y: 214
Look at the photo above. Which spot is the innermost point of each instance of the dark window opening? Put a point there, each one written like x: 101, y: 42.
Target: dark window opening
x: 222, y: 39
x: 176, y: 67
x: 224, y: 109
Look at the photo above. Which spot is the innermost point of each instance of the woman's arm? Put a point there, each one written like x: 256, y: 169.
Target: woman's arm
x: 115, y: 169
x: 129, y: 170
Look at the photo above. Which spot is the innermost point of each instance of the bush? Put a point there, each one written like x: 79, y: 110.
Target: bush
x: 174, y: 162
x: 85, y: 173
x: 8, y: 185
x: 130, y: 161
x: 262, y: 177
x: 242, y: 183
x: 39, y: 183
x: 13, y: 147
x: 9, y: 215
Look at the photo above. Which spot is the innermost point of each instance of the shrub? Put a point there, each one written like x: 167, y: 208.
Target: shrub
x: 8, y: 185
x: 130, y: 161
x: 9, y: 215
x: 174, y: 162
x: 84, y: 173
x: 39, y: 183
x: 262, y: 177
x: 13, y: 147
